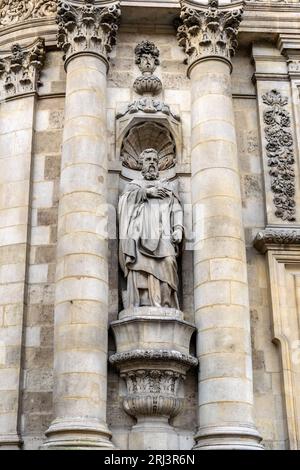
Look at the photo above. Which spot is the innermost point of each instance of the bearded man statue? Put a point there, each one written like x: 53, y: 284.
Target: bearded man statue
x: 151, y: 230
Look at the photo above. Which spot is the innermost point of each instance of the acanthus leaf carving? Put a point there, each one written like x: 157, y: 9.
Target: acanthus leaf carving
x: 45, y: 8
x: 152, y: 392
x: 16, y: 11
x: 153, y: 379
x: 276, y: 237
x: 20, y: 71
x: 87, y: 27
x: 153, y: 355
x: 209, y: 30
x: 280, y: 154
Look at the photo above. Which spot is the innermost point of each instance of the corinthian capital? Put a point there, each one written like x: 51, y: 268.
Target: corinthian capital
x: 209, y: 30
x: 87, y: 28
x: 20, y: 71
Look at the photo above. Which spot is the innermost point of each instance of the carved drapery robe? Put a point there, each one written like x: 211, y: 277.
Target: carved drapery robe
x: 147, y: 253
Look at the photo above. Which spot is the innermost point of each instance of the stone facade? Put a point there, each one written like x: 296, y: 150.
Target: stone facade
x: 85, y: 88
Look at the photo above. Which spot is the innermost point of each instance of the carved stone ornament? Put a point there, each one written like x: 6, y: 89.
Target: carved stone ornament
x: 293, y: 65
x: 148, y: 135
x: 153, y: 388
x: 273, y: 238
x: 148, y: 106
x: 137, y: 355
x: 271, y: 1
x: 147, y: 59
x: 20, y: 71
x: 209, y: 30
x: 152, y: 392
x: 280, y: 154
x: 87, y: 28
x: 17, y: 11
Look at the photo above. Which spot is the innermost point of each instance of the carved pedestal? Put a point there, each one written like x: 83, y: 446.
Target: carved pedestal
x: 153, y: 358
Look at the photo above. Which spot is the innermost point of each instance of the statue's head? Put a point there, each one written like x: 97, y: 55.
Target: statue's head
x: 149, y: 157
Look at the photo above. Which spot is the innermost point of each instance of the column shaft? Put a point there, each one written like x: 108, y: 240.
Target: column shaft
x: 220, y: 270
x: 81, y: 310
x: 86, y: 33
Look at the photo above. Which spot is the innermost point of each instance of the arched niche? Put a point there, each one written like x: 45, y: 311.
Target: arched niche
x: 136, y: 132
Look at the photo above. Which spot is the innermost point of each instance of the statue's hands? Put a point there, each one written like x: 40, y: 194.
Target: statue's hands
x: 177, y: 236
x: 159, y: 193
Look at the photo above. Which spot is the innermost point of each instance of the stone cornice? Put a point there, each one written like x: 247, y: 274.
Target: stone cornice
x: 268, y: 18
x: 274, y: 239
x: 20, y: 71
x: 207, y: 31
x: 87, y: 28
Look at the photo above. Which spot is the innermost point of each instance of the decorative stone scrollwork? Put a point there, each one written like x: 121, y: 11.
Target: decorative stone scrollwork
x: 280, y: 154
x: 147, y: 59
x: 147, y: 135
x: 153, y: 354
x: 148, y: 106
x: 87, y: 28
x: 270, y: 237
x: 20, y: 72
x: 209, y: 30
x: 16, y: 11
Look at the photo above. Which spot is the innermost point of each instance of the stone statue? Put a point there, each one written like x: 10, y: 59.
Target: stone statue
x: 151, y: 230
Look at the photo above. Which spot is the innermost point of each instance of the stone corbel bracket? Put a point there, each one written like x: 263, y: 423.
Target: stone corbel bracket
x: 210, y: 30
x: 275, y: 239
x: 20, y: 71
x: 87, y: 28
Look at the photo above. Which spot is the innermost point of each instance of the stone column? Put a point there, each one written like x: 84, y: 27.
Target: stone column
x: 208, y: 36
x: 19, y: 79
x: 86, y: 34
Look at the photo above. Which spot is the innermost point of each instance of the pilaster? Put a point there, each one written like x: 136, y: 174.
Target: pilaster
x: 19, y: 79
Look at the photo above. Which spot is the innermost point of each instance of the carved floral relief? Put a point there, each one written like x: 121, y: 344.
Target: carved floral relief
x: 15, y: 11
x: 280, y: 154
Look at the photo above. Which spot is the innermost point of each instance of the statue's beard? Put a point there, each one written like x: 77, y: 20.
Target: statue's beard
x: 150, y: 173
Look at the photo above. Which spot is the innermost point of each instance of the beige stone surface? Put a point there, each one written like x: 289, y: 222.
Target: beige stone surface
x: 30, y: 153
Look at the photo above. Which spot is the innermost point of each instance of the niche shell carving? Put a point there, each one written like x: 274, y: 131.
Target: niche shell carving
x: 148, y: 135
